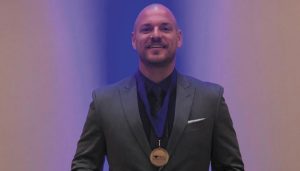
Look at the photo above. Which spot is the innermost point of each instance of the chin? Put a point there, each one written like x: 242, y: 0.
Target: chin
x: 157, y: 61
x: 156, y: 58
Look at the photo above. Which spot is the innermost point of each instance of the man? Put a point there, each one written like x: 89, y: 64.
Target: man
x: 158, y: 119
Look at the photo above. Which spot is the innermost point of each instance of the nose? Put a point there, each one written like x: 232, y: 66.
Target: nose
x: 156, y: 36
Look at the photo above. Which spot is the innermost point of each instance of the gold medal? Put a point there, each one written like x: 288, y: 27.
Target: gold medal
x: 159, y: 157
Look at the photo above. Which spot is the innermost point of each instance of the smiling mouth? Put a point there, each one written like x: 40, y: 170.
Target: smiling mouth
x: 156, y: 46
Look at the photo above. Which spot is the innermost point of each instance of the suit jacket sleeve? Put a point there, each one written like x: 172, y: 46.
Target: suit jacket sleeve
x: 225, y: 153
x: 90, y: 151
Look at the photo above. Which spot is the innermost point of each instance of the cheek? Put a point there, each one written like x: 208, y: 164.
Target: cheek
x: 137, y: 44
x: 174, y: 44
x: 140, y: 43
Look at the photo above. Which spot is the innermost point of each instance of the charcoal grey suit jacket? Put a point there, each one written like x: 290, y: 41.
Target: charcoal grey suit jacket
x: 202, y: 132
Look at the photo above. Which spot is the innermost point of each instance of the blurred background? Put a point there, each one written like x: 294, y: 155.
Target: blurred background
x: 54, y: 53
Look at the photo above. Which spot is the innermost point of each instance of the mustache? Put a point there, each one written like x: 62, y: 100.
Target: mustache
x: 156, y: 45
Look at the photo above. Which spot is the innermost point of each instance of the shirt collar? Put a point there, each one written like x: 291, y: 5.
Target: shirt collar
x: 164, y: 84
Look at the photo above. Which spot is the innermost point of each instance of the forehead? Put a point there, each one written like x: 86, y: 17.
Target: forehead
x: 155, y: 15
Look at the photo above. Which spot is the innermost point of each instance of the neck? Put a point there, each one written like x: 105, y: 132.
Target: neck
x: 156, y: 74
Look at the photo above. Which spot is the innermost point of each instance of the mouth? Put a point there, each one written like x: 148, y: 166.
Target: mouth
x: 152, y: 46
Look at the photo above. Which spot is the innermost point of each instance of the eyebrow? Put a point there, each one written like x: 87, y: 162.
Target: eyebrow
x: 166, y: 24
x: 148, y: 24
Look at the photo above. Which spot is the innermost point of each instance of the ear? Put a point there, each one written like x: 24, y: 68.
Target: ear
x: 179, y: 38
x: 133, y: 40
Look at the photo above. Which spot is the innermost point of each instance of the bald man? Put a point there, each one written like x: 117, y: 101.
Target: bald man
x: 158, y: 119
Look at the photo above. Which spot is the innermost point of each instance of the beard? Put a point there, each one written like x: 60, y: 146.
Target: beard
x: 159, y: 63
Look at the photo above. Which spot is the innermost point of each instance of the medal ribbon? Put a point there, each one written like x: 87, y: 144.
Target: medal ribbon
x: 158, y: 121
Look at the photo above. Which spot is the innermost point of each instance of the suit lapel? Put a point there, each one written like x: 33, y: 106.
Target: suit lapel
x: 184, y: 99
x: 130, y: 105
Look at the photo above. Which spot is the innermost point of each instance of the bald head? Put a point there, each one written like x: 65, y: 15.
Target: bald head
x: 155, y: 9
x: 156, y: 37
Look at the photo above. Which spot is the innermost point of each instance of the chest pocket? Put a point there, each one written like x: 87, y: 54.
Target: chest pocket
x: 200, y: 124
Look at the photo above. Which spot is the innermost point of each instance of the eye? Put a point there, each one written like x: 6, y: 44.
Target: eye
x: 166, y: 28
x: 146, y: 29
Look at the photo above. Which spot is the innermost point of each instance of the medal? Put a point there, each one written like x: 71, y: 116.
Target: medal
x: 159, y: 157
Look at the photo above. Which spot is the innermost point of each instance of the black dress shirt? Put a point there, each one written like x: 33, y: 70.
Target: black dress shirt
x: 164, y: 85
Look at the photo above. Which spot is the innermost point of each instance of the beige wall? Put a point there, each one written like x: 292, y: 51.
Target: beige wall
x: 47, y: 71
x: 253, y: 50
